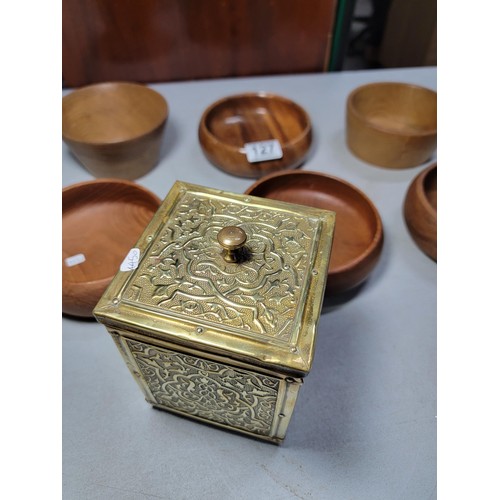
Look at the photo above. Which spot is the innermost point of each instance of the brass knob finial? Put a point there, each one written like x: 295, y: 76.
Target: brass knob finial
x: 231, y: 239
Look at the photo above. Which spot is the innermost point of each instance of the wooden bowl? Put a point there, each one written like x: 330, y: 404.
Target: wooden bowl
x: 420, y: 210
x: 101, y: 222
x: 392, y: 125
x: 115, y: 129
x: 358, y: 238
x: 230, y: 123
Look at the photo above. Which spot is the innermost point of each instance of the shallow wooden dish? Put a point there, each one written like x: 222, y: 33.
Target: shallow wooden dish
x: 358, y: 239
x: 115, y: 129
x: 392, y: 125
x: 420, y: 210
x: 230, y: 123
x: 101, y: 220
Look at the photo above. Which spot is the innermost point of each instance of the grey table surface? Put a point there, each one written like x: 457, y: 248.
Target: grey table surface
x: 364, y: 426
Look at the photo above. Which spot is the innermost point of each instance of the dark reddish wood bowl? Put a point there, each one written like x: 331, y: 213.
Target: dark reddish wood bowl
x: 420, y: 210
x: 230, y: 123
x: 358, y: 238
x: 101, y: 221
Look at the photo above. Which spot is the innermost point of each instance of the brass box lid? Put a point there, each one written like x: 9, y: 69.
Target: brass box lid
x: 262, y: 310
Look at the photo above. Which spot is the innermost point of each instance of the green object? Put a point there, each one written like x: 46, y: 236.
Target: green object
x: 341, y: 30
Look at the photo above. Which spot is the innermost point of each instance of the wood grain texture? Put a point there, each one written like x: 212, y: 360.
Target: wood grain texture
x: 101, y: 219
x: 420, y: 210
x: 166, y: 40
x: 358, y: 239
x: 115, y: 129
x: 392, y: 124
x: 229, y: 123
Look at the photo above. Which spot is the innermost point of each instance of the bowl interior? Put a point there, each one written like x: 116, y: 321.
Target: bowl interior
x: 238, y: 120
x: 430, y: 187
x: 111, y: 112
x: 395, y: 107
x: 102, y: 221
x: 357, y: 223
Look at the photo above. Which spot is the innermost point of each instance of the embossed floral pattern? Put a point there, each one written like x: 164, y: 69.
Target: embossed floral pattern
x: 206, y: 389
x: 185, y: 274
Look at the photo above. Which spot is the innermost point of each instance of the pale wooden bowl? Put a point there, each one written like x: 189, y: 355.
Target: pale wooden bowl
x: 115, y: 129
x: 230, y: 123
x: 101, y: 221
x: 358, y: 237
x: 392, y: 125
x: 420, y: 210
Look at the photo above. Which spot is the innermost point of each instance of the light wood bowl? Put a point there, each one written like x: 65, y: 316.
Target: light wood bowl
x: 228, y: 124
x: 420, y: 210
x: 392, y: 125
x: 115, y: 129
x: 358, y: 238
x: 101, y: 220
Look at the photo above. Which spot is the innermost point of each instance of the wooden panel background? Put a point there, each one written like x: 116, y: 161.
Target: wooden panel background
x: 166, y: 40
x: 410, y: 35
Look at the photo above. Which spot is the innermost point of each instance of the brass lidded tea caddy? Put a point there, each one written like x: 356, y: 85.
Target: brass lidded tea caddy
x: 215, y: 310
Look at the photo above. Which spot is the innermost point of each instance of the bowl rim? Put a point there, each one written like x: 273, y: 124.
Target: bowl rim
x: 122, y: 83
x: 104, y: 180
x: 351, y: 108
x: 378, y: 236
x: 264, y: 94
x: 419, y: 187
